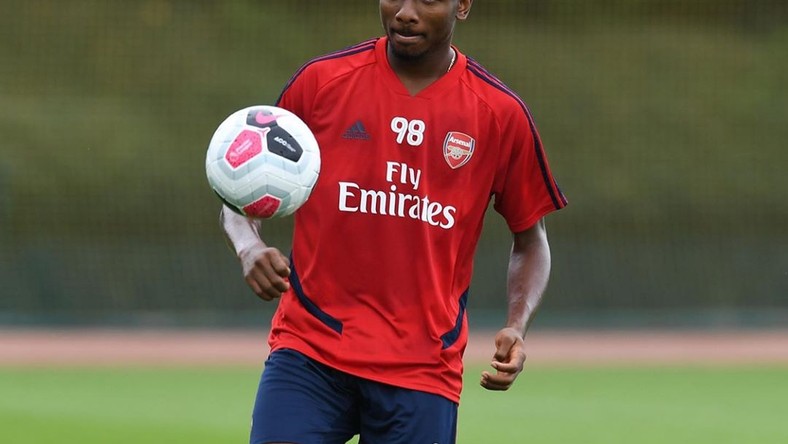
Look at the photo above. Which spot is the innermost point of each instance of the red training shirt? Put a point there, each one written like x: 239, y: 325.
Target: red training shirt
x: 383, y: 249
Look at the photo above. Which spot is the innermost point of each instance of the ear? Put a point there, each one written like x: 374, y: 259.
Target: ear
x: 463, y: 9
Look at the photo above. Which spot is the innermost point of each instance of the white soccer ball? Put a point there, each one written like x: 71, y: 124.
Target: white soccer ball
x: 263, y: 162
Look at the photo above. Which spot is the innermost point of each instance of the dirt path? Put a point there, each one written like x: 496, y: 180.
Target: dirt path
x: 108, y: 347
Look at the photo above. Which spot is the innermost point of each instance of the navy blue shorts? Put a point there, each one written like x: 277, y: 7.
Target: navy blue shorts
x: 303, y: 401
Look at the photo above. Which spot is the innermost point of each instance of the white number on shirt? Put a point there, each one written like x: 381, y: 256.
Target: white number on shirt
x: 412, y: 131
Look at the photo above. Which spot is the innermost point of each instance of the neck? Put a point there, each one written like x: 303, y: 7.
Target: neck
x: 427, y: 66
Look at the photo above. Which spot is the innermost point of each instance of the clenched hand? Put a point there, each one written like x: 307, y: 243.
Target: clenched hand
x: 265, y: 271
x: 508, y: 360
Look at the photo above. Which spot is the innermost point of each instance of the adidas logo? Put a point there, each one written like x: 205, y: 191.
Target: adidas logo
x: 356, y: 132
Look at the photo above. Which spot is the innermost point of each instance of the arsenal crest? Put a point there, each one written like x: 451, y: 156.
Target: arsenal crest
x: 458, y: 148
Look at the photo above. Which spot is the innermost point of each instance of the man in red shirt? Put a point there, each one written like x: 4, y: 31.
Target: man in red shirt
x: 415, y: 138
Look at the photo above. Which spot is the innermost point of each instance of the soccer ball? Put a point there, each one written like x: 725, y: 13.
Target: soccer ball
x: 263, y: 162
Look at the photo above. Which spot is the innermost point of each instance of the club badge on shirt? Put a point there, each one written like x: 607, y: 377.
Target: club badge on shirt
x: 458, y: 148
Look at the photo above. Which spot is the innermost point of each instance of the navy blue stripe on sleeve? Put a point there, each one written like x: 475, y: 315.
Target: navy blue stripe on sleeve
x: 557, y: 197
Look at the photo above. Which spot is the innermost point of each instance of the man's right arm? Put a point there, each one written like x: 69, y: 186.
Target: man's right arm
x: 265, y: 268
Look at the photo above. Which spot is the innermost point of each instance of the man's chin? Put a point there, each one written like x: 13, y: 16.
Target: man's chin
x: 406, y: 53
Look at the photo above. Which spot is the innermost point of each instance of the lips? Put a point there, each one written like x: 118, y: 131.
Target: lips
x: 404, y: 32
x: 405, y: 36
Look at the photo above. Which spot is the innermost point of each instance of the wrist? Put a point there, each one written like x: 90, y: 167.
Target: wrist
x: 515, y: 329
x: 245, y: 249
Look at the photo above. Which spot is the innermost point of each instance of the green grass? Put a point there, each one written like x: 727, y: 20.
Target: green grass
x: 126, y: 406
x: 681, y: 405
x: 562, y: 405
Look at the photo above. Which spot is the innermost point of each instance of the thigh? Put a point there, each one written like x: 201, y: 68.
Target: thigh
x: 302, y: 401
x: 394, y: 415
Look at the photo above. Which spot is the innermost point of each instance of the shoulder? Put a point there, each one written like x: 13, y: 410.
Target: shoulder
x: 501, y: 99
x: 324, y: 68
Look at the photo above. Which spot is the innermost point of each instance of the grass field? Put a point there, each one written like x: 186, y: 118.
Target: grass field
x: 549, y: 405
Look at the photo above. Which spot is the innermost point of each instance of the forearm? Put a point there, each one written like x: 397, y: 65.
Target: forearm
x: 528, y: 274
x: 265, y: 269
x: 239, y: 231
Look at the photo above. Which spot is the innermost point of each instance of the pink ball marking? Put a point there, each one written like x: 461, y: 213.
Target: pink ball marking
x: 247, y: 144
x: 264, y: 207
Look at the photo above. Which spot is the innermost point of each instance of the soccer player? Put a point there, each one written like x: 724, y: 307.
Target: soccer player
x: 416, y: 139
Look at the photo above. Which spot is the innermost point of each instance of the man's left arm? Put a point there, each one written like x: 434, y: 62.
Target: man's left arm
x: 529, y: 271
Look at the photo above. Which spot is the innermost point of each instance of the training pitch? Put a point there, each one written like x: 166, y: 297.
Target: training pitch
x: 653, y: 392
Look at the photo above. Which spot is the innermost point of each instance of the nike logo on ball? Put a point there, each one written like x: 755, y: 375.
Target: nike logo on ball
x: 263, y: 119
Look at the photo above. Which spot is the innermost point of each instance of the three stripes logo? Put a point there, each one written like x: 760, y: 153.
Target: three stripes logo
x: 356, y: 132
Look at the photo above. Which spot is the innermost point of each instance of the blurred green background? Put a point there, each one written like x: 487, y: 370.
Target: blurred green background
x: 665, y: 122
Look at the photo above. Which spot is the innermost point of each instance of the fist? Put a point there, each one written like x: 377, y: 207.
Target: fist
x: 265, y: 270
x: 508, y: 360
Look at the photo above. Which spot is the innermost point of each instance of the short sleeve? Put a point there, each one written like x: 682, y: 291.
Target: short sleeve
x: 527, y: 190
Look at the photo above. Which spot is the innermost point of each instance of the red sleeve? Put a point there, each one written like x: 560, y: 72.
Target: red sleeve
x: 527, y: 191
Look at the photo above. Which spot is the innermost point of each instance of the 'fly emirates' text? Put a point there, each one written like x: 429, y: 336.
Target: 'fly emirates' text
x: 354, y: 199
